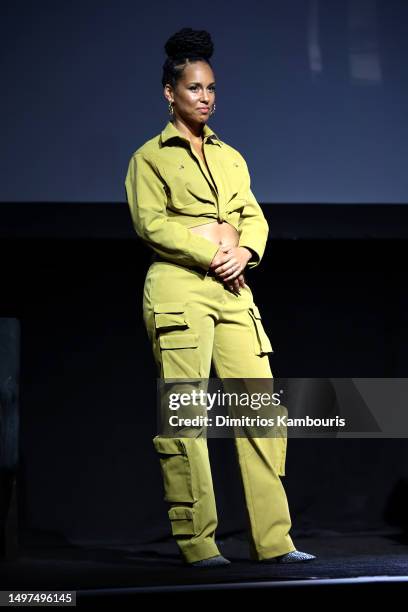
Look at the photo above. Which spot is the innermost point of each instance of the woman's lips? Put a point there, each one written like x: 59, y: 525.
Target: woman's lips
x: 203, y: 109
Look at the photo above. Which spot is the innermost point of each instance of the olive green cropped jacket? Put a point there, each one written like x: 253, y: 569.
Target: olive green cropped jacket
x: 170, y: 189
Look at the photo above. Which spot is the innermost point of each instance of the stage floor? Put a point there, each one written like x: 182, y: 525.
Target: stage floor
x: 156, y: 567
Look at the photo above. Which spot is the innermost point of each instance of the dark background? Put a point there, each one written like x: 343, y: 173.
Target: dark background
x: 313, y: 93
x: 332, y: 306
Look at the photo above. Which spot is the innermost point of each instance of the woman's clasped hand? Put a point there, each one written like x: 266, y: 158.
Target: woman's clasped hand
x: 229, y: 263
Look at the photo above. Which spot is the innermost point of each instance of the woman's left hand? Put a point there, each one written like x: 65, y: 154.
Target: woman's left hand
x: 239, y: 257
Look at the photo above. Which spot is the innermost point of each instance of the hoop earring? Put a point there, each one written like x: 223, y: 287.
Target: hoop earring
x: 213, y: 109
x: 171, y: 109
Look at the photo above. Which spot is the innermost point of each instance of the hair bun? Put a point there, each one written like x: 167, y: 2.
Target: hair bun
x: 189, y: 43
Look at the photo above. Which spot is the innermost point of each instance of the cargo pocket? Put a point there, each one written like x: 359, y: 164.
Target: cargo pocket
x: 182, y: 520
x: 179, y: 349
x: 176, y: 470
x: 262, y: 343
x: 180, y: 355
x: 170, y: 315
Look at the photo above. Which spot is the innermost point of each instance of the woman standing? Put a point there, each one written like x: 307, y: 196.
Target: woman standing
x: 191, y: 203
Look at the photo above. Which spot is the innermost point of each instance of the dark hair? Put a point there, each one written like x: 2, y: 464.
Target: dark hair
x: 184, y: 46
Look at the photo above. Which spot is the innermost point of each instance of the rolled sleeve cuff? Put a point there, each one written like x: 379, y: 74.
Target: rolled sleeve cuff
x: 256, y: 254
x: 205, y: 257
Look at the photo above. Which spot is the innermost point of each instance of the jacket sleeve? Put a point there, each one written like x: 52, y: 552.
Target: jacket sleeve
x: 253, y: 226
x: 147, y: 198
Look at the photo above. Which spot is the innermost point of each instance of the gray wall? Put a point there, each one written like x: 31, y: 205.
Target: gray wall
x: 311, y: 92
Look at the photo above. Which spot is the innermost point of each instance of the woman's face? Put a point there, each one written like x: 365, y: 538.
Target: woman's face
x: 194, y: 94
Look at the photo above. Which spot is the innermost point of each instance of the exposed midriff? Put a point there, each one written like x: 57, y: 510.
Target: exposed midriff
x: 219, y: 233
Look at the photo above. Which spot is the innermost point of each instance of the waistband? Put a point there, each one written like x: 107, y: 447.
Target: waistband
x: 155, y: 258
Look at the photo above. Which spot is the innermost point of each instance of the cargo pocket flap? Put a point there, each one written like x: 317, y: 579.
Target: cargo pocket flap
x: 170, y: 319
x: 169, y: 446
x: 179, y: 513
x: 255, y: 311
x: 170, y: 314
x: 176, y: 341
x: 182, y: 521
x: 263, y: 343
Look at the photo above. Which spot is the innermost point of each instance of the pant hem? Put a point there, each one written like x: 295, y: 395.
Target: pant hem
x: 198, y: 552
x: 275, y: 551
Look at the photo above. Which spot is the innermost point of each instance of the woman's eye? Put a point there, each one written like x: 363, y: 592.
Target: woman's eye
x: 194, y: 87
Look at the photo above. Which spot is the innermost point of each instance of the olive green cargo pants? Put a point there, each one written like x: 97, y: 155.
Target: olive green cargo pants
x: 193, y: 321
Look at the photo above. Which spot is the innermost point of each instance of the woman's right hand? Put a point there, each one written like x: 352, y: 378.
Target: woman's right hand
x: 238, y: 282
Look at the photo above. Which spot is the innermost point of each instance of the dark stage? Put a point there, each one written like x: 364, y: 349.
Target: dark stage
x: 90, y: 513
x: 368, y: 562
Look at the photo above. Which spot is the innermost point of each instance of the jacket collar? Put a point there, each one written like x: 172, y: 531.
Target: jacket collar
x: 170, y: 131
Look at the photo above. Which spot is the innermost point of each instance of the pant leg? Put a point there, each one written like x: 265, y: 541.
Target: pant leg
x: 181, y: 332
x: 241, y: 349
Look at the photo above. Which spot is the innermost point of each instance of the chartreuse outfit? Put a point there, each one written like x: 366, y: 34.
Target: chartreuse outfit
x: 193, y: 320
